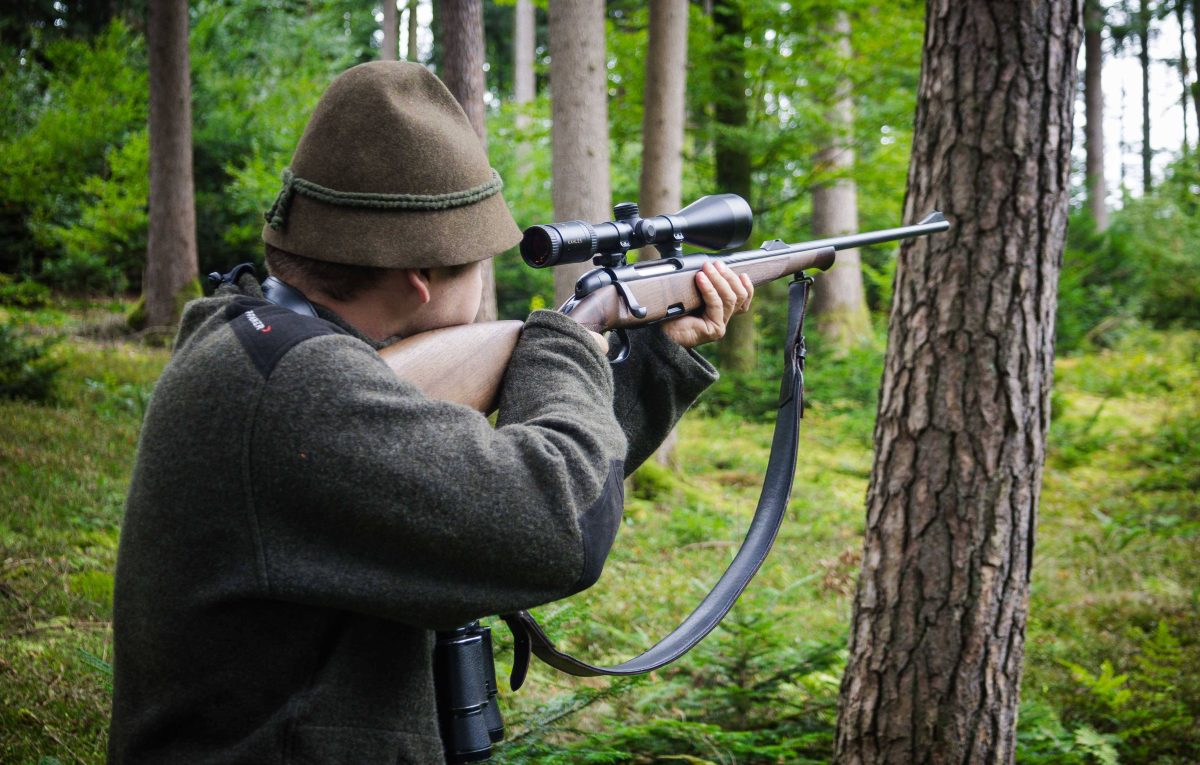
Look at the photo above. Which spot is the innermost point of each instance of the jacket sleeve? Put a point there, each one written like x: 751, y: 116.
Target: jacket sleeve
x: 371, y: 497
x: 654, y: 387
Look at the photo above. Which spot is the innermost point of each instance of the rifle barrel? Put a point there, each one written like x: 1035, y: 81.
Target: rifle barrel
x: 933, y: 223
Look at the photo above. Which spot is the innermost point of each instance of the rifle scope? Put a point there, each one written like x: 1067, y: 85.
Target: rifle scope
x: 715, y: 222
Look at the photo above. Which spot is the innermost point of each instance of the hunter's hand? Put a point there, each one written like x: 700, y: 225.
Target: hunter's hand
x: 725, y: 293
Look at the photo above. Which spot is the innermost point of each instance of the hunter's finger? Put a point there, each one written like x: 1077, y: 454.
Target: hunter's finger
x: 738, y: 282
x: 714, y: 309
x: 728, y: 296
x: 748, y: 283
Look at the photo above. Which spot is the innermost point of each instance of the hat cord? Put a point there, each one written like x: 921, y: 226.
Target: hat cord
x: 277, y: 215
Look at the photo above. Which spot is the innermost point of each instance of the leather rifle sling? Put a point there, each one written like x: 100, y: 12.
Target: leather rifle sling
x: 528, y: 635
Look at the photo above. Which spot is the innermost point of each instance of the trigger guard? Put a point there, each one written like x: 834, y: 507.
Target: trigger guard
x: 623, y: 348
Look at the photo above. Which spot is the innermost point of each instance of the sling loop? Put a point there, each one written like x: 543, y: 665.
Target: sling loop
x: 528, y: 635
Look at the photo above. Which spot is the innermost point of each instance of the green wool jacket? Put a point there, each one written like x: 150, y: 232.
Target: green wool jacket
x: 299, y: 520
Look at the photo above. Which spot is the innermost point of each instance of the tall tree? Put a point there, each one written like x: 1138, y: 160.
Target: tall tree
x: 1184, y: 74
x: 410, y: 50
x: 389, y: 49
x: 1142, y: 30
x: 663, y: 110
x: 838, y: 302
x: 1093, y: 95
x: 938, y: 631
x: 1196, y: 84
x: 659, y: 187
x: 731, y: 115
x: 460, y: 32
x: 524, y: 80
x: 171, y: 261
x: 579, y: 122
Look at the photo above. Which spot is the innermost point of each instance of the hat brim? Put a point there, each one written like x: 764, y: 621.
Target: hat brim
x: 396, y: 238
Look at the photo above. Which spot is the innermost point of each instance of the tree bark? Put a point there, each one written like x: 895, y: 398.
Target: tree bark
x: 1184, y: 73
x: 1093, y: 94
x: 1143, y: 32
x: 838, y: 299
x: 171, y: 260
x: 460, y: 29
x: 737, y: 351
x: 663, y: 111
x: 524, y: 49
x: 412, y: 54
x: 524, y: 80
x: 938, y: 632
x: 579, y: 129
x: 1196, y: 84
x: 389, y: 49
x: 659, y: 187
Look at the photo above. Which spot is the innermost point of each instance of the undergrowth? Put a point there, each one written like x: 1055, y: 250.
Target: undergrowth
x: 1113, y: 649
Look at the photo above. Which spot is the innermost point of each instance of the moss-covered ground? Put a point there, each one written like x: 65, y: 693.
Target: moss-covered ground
x: 1113, y: 652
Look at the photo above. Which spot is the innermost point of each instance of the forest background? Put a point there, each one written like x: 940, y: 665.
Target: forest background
x: 1114, y: 633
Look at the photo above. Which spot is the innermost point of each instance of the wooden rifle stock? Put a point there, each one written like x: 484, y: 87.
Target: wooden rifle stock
x: 466, y: 364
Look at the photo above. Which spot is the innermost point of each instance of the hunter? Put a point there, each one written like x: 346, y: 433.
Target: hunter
x: 300, y: 520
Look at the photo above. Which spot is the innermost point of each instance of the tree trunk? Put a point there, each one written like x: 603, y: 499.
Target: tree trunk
x: 1093, y: 94
x: 524, y: 49
x: 579, y: 128
x: 663, y: 111
x: 938, y: 631
x: 460, y: 30
x: 524, y: 81
x: 389, y: 49
x: 659, y: 188
x: 171, y: 261
x: 838, y: 300
x: 736, y: 351
x: 1196, y: 84
x: 1184, y: 73
x: 412, y: 53
x: 1143, y: 33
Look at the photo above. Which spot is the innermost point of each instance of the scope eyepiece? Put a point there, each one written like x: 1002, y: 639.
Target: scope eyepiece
x: 716, y: 222
x: 573, y: 241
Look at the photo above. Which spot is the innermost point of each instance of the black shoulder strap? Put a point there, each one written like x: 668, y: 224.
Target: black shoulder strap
x: 768, y: 516
x: 271, y: 327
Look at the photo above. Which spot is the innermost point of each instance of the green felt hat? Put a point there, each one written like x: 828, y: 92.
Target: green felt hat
x: 389, y: 173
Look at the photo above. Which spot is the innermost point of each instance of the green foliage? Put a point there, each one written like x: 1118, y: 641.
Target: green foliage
x: 94, y: 100
x: 23, y: 293
x: 106, y: 245
x: 1144, y: 268
x: 26, y: 370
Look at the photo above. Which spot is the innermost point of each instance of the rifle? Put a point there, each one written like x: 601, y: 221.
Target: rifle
x: 617, y: 295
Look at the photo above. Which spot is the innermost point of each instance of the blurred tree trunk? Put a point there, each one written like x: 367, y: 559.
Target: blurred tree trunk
x: 736, y: 351
x: 1093, y: 94
x: 938, y: 631
x: 838, y: 300
x: 171, y: 261
x: 1184, y: 73
x: 579, y: 130
x: 1142, y: 29
x: 460, y: 30
x: 662, y: 130
x: 1196, y: 84
x: 524, y: 81
x: 389, y: 49
x: 412, y: 52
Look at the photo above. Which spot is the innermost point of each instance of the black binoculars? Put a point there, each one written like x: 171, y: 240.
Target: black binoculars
x: 715, y: 222
x: 465, y: 682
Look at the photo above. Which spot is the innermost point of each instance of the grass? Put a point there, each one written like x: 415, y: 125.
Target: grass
x: 1113, y: 660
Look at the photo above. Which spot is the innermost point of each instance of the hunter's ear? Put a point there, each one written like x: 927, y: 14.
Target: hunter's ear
x: 418, y: 279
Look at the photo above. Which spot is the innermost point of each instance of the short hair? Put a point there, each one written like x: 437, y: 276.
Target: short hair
x: 340, y: 281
